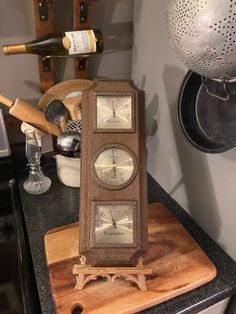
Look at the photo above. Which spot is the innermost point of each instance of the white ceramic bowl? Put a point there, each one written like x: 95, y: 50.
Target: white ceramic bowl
x: 68, y: 170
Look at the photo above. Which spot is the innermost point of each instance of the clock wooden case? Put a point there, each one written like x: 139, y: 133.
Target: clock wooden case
x: 113, y: 193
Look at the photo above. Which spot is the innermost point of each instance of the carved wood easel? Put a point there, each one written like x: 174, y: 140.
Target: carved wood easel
x: 43, y: 18
x: 86, y: 273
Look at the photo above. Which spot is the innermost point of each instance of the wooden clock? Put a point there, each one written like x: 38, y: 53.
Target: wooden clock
x: 113, y: 193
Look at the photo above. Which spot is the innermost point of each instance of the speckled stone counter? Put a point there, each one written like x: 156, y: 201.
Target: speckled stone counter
x: 60, y: 206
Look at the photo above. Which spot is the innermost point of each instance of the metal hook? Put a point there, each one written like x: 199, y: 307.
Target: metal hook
x: 224, y: 82
x: 43, y: 10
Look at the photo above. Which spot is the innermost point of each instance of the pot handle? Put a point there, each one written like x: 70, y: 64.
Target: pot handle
x: 224, y: 82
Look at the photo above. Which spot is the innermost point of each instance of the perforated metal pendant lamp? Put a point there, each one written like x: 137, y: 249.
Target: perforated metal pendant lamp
x: 203, y: 35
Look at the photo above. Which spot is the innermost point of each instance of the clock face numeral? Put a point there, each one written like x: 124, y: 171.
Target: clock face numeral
x: 115, y: 167
x: 114, y: 112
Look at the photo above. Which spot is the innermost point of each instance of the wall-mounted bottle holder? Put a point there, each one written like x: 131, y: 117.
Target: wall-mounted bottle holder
x: 43, y: 17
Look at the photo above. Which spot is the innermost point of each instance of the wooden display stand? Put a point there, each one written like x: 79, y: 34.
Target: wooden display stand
x: 178, y: 265
x: 86, y: 273
x: 43, y: 18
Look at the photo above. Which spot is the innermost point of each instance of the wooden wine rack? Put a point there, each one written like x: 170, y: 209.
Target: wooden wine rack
x: 43, y: 18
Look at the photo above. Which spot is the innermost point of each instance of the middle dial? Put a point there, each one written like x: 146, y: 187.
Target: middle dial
x: 114, y: 166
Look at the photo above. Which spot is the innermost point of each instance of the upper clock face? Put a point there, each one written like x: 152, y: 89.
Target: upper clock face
x: 114, y: 112
x: 114, y: 224
x: 115, y: 166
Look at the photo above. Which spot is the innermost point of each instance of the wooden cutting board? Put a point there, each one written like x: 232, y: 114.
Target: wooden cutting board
x: 179, y: 265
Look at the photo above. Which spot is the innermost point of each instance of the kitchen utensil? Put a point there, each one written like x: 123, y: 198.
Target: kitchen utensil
x: 209, y: 124
x: 69, y: 143
x: 73, y: 104
x: 62, y: 91
x: 37, y: 182
x: 27, y: 113
x: 74, y: 126
x: 202, y: 33
x: 56, y: 112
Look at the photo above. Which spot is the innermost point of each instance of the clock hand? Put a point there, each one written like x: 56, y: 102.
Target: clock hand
x: 113, y: 109
x: 114, y: 170
x: 114, y: 223
x: 113, y: 157
x: 114, y: 163
x: 113, y: 220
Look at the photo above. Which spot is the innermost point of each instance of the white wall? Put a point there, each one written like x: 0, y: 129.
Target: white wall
x: 203, y: 184
x: 115, y: 19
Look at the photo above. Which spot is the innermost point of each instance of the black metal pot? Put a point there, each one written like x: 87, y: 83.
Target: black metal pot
x: 208, y: 122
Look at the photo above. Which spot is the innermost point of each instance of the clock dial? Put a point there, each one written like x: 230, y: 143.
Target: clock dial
x: 115, y: 167
x: 114, y: 112
x: 114, y: 224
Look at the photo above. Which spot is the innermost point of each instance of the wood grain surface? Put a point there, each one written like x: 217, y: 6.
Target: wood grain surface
x: 94, y: 141
x: 178, y: 263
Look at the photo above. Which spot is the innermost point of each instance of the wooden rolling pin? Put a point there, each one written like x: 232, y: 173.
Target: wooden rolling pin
x: 27, y: 113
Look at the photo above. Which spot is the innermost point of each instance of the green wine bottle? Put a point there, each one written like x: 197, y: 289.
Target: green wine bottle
x: 79, y: 42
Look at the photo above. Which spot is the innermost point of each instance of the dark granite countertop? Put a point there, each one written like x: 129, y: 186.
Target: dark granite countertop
x: 60, y: 206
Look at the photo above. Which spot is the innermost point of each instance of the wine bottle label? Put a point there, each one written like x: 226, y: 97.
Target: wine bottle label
x: 80, y: 42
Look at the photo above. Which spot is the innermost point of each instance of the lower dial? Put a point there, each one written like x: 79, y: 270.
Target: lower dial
x: 114, y: 223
